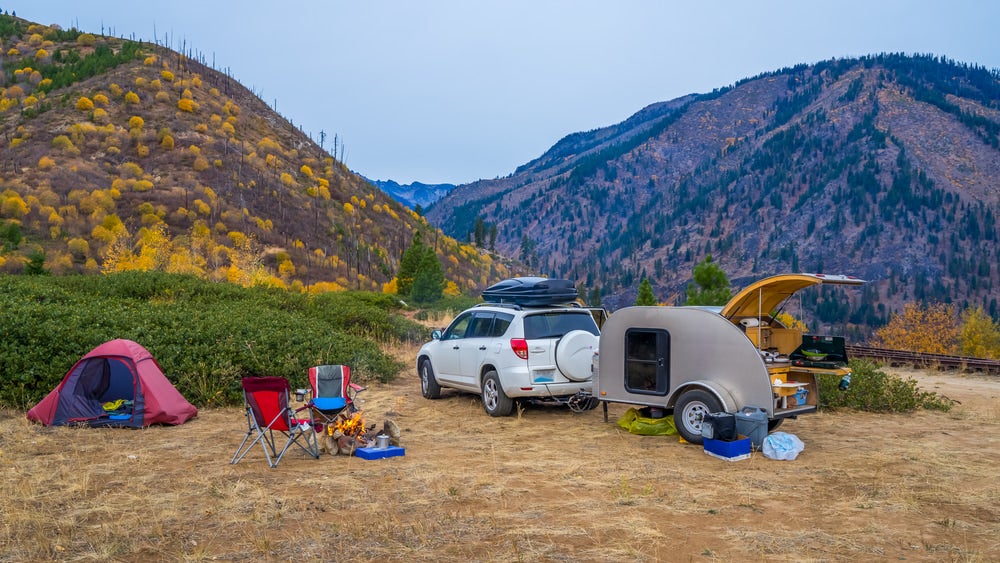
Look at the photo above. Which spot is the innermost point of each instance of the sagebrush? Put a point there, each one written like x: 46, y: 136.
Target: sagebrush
x: 205, y: 335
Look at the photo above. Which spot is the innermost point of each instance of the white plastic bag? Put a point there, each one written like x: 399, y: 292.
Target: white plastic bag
x: 782, y: 446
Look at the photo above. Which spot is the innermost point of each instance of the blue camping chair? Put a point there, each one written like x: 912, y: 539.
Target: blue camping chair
x: 332, y: 393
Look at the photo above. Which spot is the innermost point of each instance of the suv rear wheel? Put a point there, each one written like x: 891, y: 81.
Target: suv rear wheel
x: 495, y: 401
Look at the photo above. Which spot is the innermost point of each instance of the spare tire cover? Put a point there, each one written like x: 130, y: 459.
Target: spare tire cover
x: 575, y: 355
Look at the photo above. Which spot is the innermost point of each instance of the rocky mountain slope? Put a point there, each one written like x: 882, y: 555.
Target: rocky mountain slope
x: 883, y: 167
x: 121, y: 155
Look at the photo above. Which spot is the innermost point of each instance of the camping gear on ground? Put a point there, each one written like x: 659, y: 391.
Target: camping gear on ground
x: 732, y: 450
x: 782, y: 446
x: 116, y: 384
x: 379, y: 453
x: 332, y: 392
x: 634, y: 422
x: 531, y: 292
x: 723, y: 425
x: 266, y: 401
x: 752, y: 423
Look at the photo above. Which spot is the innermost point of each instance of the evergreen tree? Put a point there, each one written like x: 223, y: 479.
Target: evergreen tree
x: 409, y: 265
x: 36, y: 264
x: 595, y: 297
x: 479, y: 232
x: 428, y: 284
x: 645, y: 296
x: 712, y: 285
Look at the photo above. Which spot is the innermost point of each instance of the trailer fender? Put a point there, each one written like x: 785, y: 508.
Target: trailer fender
x: 720, y: 392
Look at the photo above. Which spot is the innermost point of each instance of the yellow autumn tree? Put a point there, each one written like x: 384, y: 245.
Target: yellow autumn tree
x: 931, y: 329
x: 980, y: 336
x: 118, y: 255
x: 154, y: 248
x: 46, y: 163
x: 791, y: 322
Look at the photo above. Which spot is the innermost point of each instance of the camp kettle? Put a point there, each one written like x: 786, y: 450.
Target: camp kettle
x: 381, y: 441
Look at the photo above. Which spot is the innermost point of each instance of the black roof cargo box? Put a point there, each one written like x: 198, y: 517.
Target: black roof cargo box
x: 531, y: 292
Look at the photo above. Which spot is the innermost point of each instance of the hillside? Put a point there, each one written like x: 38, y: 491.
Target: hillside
x: 120, y: 155
x: 883, y: 167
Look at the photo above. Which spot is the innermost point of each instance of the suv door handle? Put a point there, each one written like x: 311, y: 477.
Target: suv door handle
x: 482, y: 347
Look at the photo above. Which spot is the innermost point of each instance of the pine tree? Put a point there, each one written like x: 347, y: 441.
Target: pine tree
x: 409, y: 265
x: 428, y: 284
x: 595, y: 297
x: 645, y: 296
x: 712, y: 285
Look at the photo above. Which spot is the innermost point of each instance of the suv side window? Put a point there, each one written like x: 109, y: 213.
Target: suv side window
x: 458, y: 328
x: 501, y: 323
x: 481, y: 326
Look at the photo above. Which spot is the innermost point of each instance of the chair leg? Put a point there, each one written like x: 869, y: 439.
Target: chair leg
x: 311, y: 446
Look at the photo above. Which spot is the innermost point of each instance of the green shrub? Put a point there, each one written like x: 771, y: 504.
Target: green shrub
x: 206, y: 336
x: 876, y: 391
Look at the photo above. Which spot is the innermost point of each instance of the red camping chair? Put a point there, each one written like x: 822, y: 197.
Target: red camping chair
x: 266, y: 400
x: 332, y: 393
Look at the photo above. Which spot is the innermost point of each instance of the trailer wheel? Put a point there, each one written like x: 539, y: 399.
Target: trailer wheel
x: 691, y: 408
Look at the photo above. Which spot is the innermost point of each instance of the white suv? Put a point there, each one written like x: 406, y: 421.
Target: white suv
x: 505, y: 352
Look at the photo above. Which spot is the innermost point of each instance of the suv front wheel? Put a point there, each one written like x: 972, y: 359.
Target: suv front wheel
x: 428, y: 385
x: 495, y: 401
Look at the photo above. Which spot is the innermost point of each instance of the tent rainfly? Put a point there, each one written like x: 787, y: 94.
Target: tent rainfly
x: 117, y: 384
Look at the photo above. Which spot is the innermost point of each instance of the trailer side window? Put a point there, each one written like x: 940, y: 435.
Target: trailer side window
x: 647, y: 361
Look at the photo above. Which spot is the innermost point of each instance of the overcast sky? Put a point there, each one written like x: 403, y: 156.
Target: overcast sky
x: 458, y: 90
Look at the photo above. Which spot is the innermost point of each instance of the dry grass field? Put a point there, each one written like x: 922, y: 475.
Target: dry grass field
x: 546, y: 485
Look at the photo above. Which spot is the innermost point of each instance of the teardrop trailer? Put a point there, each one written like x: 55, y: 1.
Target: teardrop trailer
x: 700, y: 360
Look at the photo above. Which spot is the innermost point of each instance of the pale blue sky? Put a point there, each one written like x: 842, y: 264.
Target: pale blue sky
x: 458, y: 90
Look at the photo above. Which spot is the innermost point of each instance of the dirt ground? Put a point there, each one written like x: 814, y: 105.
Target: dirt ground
x: 543, y: 485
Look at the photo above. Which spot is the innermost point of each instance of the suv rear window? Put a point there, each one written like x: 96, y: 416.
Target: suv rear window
x: 557, y: 323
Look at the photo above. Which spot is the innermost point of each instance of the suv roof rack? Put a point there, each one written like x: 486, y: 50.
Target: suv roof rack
x: 513, y: 306
x: 519, y: 307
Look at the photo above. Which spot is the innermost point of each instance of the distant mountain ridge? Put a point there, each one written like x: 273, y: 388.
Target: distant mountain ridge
x: 884, y: 167
x: 415, y: 194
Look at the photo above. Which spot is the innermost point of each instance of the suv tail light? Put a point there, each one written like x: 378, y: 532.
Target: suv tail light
x: 520, y: 347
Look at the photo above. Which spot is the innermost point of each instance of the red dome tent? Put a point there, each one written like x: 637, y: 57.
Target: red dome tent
x: 119, y: 384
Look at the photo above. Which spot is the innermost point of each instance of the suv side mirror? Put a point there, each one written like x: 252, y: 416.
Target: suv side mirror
x: 435, y: 334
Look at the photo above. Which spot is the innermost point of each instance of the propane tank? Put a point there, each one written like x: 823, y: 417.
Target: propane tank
x: 845, y: 382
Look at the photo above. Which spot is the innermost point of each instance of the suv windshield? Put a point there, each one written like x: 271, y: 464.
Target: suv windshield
x: 557, y: 323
